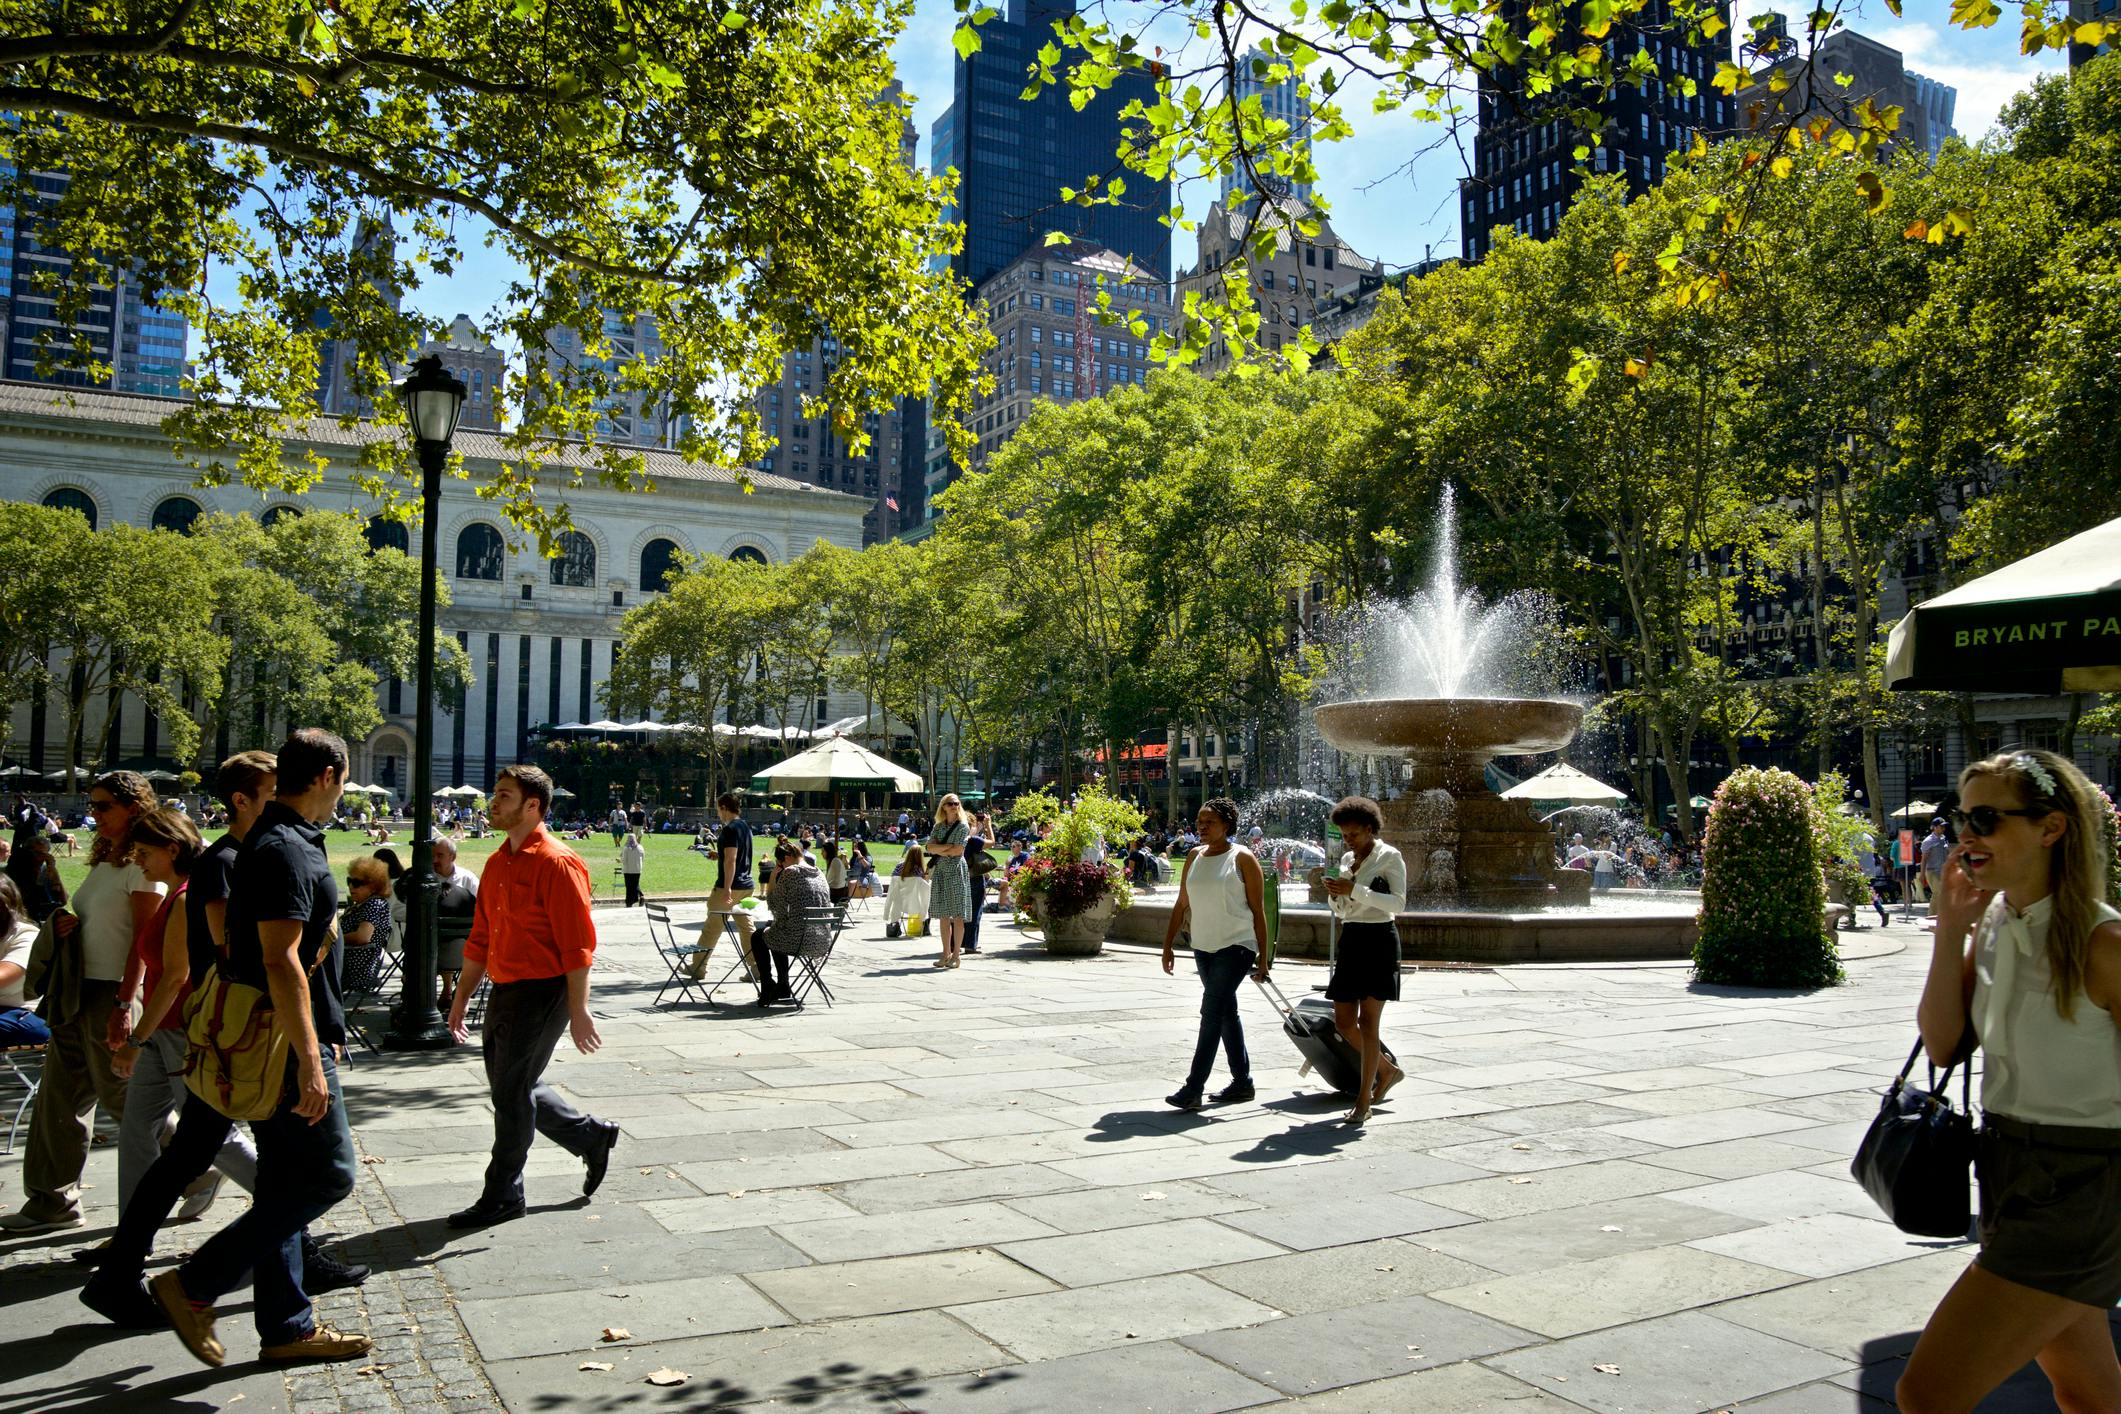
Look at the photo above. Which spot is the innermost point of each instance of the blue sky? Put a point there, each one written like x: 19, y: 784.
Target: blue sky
x: 1392, y: 200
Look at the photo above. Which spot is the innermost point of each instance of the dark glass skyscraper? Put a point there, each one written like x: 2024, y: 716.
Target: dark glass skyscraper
x: 1013, y: 157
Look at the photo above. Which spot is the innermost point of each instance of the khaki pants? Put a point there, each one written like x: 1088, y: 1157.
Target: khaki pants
x: 77, y: 1073
x: 712, y: 935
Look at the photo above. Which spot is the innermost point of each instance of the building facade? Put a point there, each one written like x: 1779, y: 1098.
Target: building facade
x: 479, y: 366
x: 1524, y: 164
x: 540, y: 633
x: 1876, y: 72
x: 633, y: 419
x: 1277, y: 100
x: 1049, y: 344
x: 1306, y: 277
x: 142, y: 344
x: 1013, y: 157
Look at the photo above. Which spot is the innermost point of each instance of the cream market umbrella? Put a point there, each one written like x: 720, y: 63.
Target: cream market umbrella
x: 1562, y: 783
x: 836, y: 764
x: 1917, y: 810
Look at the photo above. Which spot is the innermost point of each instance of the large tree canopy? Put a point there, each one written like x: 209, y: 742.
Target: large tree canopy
x: 733, y: 171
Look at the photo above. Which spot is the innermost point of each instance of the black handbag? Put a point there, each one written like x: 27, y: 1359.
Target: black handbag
x: 1915, y: 1159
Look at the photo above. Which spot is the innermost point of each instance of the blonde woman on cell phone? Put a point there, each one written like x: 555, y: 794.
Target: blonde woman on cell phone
x: 2026, y: 965
x: 949, y: 883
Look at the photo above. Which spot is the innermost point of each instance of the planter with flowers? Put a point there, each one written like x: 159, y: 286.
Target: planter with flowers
x: 1070, y: 897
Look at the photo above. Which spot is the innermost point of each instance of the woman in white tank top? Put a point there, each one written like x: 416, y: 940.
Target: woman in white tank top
x: 2026, y: 964
x: 1222, y: 902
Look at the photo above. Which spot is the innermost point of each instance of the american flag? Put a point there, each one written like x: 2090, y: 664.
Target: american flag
x: 891, y: 502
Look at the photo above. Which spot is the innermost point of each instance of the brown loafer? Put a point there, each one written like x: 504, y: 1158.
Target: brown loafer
x: 193, y: 1321
x: 322, y: 1343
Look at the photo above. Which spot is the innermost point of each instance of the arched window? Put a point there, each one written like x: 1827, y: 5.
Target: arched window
x: 386, y: 534
x: 479, y: 552
x: 575, y: 567
x: 748, y: 554
x: 275, y: 514
x: 658, y: 564
x: 176, y: 513
x: 67, y: 498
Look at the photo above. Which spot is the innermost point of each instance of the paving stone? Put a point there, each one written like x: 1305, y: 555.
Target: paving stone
x: 891, y: 1235
x: 1823, y: 1245
x: 1774, y: 1197
x: 836, y: 1289
x: 804, y: 1363
x: 1155, y: 1378
x: 1382, y: 1173
x: 1860, y: 1315
x: 1120, y: 1313
x: 1333, y: 1220
x: 1583, y: 1296
x: 835, y: 1165
x: 1549, y: 1189
x: 1085, y: 1259
x: 1741, y: 1158
x: 720, y: 1212
x: 1328, y: 1349
x: 507, y: 1327
x: 1468, y: 1388
x: 1533, y: 1152
x: 1333, y: 1278
x: 508, y: 1270
x: 1580, y: 1234
x: 909, y: 1195
x: 1708, y: 1126
x: 1677, y: 1364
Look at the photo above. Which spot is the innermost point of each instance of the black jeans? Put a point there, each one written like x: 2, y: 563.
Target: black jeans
x: 303, y: 1170
x: 1222, y: 972
x: 979, y: 906
x: 524, y: 1022
x: 633, y: 889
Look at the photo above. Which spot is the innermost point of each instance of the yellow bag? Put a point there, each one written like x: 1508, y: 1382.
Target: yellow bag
x: 238, y: 1061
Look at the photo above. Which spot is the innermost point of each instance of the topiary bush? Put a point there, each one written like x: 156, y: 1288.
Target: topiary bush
x: 1763, y: 903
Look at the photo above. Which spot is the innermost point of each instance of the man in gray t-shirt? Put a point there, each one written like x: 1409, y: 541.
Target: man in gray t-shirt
x: 1933, y: 851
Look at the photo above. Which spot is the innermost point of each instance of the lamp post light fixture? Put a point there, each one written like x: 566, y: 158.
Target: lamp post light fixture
x: 432, y: 398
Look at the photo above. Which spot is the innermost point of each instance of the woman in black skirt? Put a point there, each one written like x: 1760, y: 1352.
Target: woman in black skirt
x: 2026, y: 964
x: 1368, y: 894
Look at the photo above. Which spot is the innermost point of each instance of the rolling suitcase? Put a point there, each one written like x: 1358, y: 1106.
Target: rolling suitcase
x: 1309, y: 1026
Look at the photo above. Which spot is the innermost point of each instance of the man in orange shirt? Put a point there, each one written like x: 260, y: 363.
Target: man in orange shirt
x: 532, y: 936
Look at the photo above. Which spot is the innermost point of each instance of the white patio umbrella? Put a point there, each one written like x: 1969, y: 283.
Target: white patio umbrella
x: 1562, y: 782
x: 1917, y: 810
x: 834, y: 765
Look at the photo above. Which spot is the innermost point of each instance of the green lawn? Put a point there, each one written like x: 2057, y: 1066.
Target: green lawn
x: 671, y: 868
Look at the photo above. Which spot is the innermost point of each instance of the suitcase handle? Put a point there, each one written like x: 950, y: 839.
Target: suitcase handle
x: 1274, y: 994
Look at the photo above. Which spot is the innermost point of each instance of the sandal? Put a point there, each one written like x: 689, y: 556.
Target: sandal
x: 1357, y: 1117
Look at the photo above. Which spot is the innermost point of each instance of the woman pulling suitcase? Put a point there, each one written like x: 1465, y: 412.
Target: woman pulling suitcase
x: 1367, y: 896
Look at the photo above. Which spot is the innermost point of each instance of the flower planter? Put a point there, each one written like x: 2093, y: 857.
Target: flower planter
x: 1082, y: 935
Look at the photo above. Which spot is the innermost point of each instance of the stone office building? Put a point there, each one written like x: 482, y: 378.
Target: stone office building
x: 540, y: 633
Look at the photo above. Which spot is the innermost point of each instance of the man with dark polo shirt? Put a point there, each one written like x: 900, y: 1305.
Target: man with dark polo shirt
x: 281, y: 936
x: 532, y: 936
x: 733, y: 878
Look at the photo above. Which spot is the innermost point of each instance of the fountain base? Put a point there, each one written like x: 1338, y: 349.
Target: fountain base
x: 1624, y: 926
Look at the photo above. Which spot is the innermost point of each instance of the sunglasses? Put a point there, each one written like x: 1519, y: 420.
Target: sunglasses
x: 1984, y: 820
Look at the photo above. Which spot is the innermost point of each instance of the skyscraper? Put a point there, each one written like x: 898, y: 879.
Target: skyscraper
x: 142, y: 344
x: 1875, y: 72
x: 1304, y: 277
x: 630, y: 418
x: 1013, y: 157
x: 472, y: 357
x: 1524, y: 164
x: 1276, y: 100
x: 375, y: 240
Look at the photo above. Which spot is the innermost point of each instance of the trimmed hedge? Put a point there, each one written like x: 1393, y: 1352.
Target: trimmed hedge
x: 1763, y: 904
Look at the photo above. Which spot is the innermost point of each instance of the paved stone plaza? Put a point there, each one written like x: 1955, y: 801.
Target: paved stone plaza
x: 1599, y: 1187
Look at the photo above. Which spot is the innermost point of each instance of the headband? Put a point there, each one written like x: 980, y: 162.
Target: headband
x: 2028, y: 763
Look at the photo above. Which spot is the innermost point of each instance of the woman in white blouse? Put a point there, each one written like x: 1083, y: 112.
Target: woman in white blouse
x: 112, y: 903
x: 2026, y: 964
x: 1367, y: 896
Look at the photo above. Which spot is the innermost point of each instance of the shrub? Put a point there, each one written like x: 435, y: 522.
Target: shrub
x: 1763, y: 904
x: 1838, y: 838
x: 1057, y: 874
x: 2113, y: 847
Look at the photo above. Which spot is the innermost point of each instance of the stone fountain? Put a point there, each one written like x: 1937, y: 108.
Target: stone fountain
x: 1464, y: 843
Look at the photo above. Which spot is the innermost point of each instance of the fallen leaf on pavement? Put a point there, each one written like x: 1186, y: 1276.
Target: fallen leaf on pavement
x: 668, y: 1376
x: 1609, y: 1228
x: 612, y: 1333
x: 1607, y: 1369
x: 1384, y: 1269
x: 1520, y: 1180
x: 371, y: 1369
x: 1152, y: 1197
x: 1525, y: 1147
x: 370, y: 1159
x: 594, y: 1365
x: 736, y: 1192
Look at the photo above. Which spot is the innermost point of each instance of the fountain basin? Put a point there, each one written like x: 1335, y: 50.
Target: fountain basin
x: 1482, y: 727
x: 1627, y: 926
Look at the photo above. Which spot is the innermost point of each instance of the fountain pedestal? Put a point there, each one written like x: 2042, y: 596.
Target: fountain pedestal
x: 1463, y: 843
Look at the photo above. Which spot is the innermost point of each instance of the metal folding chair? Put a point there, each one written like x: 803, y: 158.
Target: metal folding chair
x: 677, y: 957
x: 743, y: 963
x: 24, y: 1068
x: 821, y: 934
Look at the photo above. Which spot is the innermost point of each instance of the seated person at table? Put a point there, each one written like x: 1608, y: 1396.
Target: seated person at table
x: 797, y: 888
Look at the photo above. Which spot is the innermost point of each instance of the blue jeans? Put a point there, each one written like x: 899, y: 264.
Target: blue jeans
x: 304, y: 1169
x: 19, y: 1026
x: 979, y: 906
x: 1222, y: 972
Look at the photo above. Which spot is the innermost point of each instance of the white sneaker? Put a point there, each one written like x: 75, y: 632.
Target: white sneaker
x: 200, y: 1196
x: 21, y: 1224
